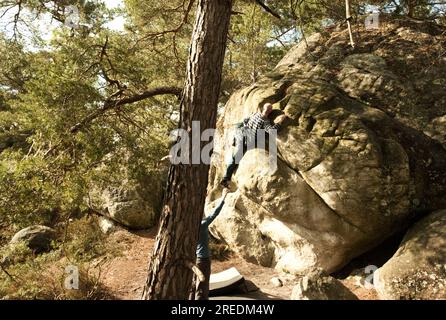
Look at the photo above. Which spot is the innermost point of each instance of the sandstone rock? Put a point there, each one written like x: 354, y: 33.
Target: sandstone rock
x: 418, y: 268
x: 126, y: 206
x: 106, y: 225
x: 363, y: 277
x: 276, y: 282
x: 132, y: 202
x: 317, y: 285
x: 37, y: 238
x: 357, y: 155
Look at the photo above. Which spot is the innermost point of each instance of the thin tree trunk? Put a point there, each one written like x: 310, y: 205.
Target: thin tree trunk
x: 348, y: 18
x: 410, y: 8
x: 170, y: 268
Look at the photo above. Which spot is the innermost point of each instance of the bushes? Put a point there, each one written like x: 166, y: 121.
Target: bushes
x: 42, y: 278
x: 80, y: 244
x: 83, y: 240
x: 33, y: 191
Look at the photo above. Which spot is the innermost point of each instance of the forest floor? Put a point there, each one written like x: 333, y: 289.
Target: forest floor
x: 124, y: 275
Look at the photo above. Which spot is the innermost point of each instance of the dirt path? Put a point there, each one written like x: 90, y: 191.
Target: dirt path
x: 124, y: 276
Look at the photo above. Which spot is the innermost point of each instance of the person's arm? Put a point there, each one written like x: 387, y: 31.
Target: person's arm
x: 245, y: 121
x: 242, y: 124
x: 268, y: 126
x: 208, y: 220
x: 277, y: 124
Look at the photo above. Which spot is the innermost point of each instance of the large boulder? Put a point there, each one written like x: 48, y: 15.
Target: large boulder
x: 131, y: 198
x: 359, y: 156
x: 128, y: 206
x: 418, y: 268
x: 37, y: 238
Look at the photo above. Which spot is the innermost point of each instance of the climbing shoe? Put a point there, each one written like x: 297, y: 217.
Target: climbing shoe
x: 224, y: 183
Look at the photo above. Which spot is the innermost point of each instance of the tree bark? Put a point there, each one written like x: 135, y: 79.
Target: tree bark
x: 170, y: 271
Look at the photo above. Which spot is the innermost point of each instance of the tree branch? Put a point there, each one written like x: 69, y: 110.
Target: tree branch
x: 112, y: 104
x: 104, y: 72
x: 7, y: 273
x: 268, y: 9
x: 183, y: 22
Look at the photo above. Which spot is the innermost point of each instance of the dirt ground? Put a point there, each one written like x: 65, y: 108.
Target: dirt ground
x: 124, y: 275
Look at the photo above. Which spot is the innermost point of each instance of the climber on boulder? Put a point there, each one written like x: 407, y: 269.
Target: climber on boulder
x: 247, y: 132
x: 203, y: 254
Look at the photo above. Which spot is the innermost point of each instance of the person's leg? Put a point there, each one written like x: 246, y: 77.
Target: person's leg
x: 235, y: 159
x: 202, y: 292
x: 229, y: 172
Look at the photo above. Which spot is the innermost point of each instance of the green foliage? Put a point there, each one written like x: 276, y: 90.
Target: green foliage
x: 256, y: 44
x: 44, y: 280
x: 15, y: 254
x: 30, y: 276
x: 47, y: 91
x: 84, y: 241
x: 53, y: 165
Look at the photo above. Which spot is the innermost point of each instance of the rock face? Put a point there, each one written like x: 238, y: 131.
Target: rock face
x: 361, y: 153
x: 37, y: 238
x: 317, y: 285
x: 418, y: 268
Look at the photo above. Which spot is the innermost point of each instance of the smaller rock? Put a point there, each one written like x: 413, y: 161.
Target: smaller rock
x: 106, y: 225
x: 37, y: 238
x: 276, y: 282
x: 363, y: 277
x: 417, y: 270
x: 126, y: 205
x: 318, y: 285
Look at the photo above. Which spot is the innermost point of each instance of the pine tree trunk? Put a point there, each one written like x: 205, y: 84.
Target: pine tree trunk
x: 170, y: 275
